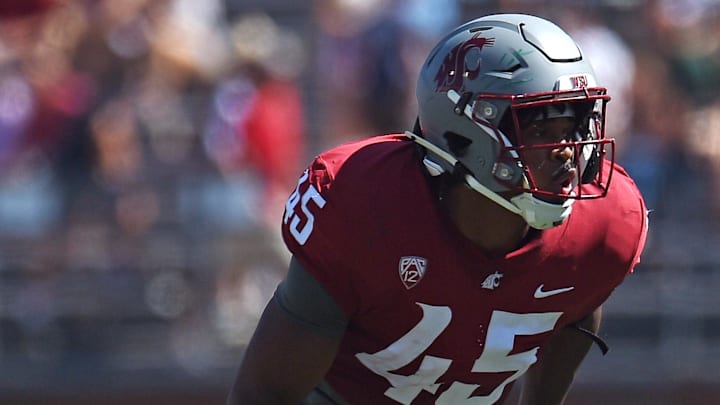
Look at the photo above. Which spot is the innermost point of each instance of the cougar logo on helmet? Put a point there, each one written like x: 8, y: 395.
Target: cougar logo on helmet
x: 462, y: 62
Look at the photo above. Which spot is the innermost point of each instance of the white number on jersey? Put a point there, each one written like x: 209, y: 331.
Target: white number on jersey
x: 301, y: 235
x: 405, y: 350
x: 495, y: 358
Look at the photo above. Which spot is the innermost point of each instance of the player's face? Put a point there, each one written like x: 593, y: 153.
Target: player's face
x: 552, y: 168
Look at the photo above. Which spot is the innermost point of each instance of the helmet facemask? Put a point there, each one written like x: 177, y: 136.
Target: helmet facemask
x: 586, y: 141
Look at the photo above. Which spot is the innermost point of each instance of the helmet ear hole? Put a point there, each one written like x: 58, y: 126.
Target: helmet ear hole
x: 457, y: 143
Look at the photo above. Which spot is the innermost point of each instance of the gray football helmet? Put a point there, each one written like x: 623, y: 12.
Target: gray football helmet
x: 475, y: 92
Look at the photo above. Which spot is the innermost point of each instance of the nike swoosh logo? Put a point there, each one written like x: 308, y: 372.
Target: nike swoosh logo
x: 539, y: 293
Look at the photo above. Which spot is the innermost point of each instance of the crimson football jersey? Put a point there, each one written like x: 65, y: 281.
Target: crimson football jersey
x: 433, y: 319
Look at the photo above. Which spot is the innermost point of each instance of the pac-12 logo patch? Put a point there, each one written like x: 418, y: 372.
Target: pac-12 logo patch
x: 412, y: 270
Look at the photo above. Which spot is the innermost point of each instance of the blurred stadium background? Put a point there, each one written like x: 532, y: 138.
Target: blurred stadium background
x: 147, y: 147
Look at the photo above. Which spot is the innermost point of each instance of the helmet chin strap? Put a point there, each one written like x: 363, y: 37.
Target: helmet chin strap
x: 537, y: 213
x: 541, y: 214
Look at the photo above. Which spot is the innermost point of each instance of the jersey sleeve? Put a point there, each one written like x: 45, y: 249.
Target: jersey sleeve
x: 316, y: 230
x: 626, y: 229
x: 606, y: 239
x: 631, y: 234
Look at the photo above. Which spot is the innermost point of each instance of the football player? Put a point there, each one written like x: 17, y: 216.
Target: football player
x: 441, y: 265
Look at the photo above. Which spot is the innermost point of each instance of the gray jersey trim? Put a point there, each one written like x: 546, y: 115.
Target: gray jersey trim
x: 306, y: 301
x: 324, y: 394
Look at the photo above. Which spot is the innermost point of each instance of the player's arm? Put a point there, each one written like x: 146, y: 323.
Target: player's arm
x: 548, y: 380
x: 293, y: 346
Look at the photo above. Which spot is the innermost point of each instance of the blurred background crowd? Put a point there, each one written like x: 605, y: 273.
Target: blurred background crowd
x: 147, y: 148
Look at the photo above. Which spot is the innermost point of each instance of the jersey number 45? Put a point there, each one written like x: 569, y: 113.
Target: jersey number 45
x: 495, y: 358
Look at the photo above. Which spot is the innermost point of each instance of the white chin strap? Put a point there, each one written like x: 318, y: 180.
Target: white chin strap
x: 541, y: 214
x: 537, y: 213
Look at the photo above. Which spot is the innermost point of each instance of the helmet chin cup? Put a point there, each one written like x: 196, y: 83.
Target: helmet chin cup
x: 541, y: 214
